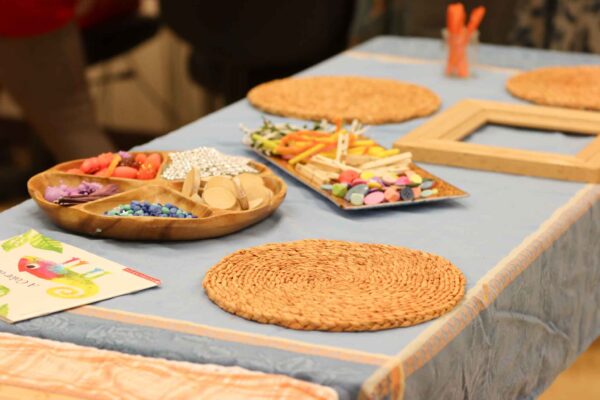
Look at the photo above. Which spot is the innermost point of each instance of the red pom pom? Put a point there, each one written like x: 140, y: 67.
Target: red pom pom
x: 154, y: 159
x: 125, y: 172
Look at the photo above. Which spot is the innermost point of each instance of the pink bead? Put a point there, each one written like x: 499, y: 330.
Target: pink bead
x: 374, y: 198
x: 403, y: 181
x: 359, y: 181
x: 391, y: 195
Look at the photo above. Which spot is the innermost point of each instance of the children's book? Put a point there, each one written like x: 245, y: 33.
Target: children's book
x: 40, y: 275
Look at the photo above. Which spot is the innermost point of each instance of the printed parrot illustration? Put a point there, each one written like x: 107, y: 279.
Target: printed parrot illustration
x: 76, y: 285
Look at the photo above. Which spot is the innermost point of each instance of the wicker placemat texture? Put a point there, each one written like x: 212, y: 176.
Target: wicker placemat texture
x: 369, y: 100
x: 333, y: 285
x: 572, y: 87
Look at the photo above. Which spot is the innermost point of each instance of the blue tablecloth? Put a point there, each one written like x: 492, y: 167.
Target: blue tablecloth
x: 529, y: 247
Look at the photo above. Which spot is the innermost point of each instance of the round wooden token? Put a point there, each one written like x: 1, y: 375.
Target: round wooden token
x: 250, y: 180
x: 220, y: 181
x: 255, y: 203
x: 572, y: 87
x: 220, y: 197
x: 191, y: 185
x: 255, y: 188
x: 369, y: 100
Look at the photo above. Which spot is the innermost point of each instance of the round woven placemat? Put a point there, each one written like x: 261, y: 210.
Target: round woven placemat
x: 335, y: 286
x: 572, y: 87
x: 369, y: 100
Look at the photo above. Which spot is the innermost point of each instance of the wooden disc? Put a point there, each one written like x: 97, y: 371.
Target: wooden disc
x: 369, y: 100
x: 220, y: 181
x: 255, y: 188
x: 191, y: 185
x: 250, y: 180
x: 220, y: 197
x: 571, y: 87
x: 335, y: 286
x: 256, y: 202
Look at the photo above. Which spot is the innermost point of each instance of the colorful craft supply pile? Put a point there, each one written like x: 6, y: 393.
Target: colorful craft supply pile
x: 297, y: 144
x: 121, y: 165
x: 146, y: 209
x: 208, y: 161
x: 83, y: 193
x: 370, y: 188
x: 344, y: 162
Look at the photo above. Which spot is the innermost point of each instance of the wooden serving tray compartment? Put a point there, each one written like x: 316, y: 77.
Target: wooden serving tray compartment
x: 89, y: 218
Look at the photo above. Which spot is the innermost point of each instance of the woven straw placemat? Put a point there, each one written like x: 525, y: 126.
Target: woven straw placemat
x: 369, y: 100
x: 572, y: 87
x: 335, y: 286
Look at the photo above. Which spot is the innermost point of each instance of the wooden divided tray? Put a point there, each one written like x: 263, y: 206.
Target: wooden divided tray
x: 446, y: 190
x: 89, y: 218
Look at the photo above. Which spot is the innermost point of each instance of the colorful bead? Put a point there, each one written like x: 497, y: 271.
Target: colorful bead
x: 429, y: 192
x: 374, y: 198
x: 339, y: 189
x: 357, y: 199
x: 145, y: 209
x: 406, y: 194
x: 391, y: 195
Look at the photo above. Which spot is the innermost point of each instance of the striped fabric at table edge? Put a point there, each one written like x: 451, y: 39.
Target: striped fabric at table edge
x: 123, y: 372
x: 390, y: 58
x: 232, y: 335
x: 487, y: 289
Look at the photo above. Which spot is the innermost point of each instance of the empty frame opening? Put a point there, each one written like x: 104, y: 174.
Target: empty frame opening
x: 548, y: 141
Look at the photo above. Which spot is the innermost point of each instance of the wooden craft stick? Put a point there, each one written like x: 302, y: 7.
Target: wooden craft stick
x: 358, y: 159
x: 324, y: 163
x: 328, y: 164
x: 306, y: 154
x: 396, y: 169
x: 113, y: 165
x: 310, y: 175
x: 321, y: 172
x: 387, y: 161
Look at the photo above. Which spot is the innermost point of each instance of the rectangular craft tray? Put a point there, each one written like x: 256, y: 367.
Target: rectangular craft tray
x: 283, y: 165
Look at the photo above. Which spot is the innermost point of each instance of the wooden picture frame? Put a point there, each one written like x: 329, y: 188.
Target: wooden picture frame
x: 438, y: 140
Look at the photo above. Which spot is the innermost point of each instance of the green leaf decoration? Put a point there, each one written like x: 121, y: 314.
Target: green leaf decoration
x: 18, y: 241
x: 4, y: 290
x: 42, y: 242
x: 4, y: 310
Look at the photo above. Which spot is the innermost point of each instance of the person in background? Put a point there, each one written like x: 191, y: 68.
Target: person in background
x: 42, y: 66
